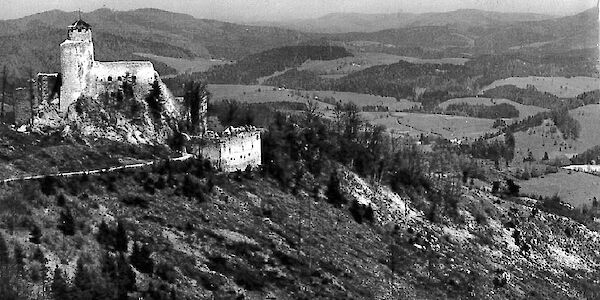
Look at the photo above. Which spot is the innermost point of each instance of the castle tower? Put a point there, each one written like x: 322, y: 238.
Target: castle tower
x: 76, y: 59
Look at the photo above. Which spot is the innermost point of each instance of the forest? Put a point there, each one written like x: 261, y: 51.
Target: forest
x: 502, y: 110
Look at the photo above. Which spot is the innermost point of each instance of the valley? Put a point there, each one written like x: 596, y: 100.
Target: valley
x: 349, y: 156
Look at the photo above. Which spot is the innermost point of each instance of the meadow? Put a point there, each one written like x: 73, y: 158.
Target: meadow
x: 447, y: 126
x: 183, y: 65
x: 261, y: 94
x: 562, y: 87
x: 575, y: 188
x: 364, y: 60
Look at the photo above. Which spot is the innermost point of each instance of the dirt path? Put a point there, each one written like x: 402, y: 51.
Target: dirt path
x: 95, y: 171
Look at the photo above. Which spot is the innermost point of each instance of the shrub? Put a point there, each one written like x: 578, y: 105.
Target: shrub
x: 361, y: 212
x: 135, y: 200
x: 66, y: 223
x: 333, y: 192
x: 140, y: 259
x: 36, y: 235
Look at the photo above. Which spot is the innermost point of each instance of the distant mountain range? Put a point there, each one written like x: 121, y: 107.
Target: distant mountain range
x: 31, y: 43
x: 357, y: 22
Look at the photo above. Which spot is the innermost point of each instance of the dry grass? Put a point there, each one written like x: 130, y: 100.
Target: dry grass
x: 445, y: 125
x: 185, y: 65
x: 559, y: 86
x: 575, y: 188
x: 251, y: 94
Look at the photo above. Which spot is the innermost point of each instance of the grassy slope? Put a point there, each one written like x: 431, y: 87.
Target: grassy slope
x: 250, y: 94
x: 445, y: 125
x: 540, y: 139
x: 184, y: 65
x: 560, y: 86
x: 575, y: 188
x: 524, y: 110
x: 362, y: 61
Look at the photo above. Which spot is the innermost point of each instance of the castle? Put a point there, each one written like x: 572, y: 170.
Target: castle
x: 81, y: 75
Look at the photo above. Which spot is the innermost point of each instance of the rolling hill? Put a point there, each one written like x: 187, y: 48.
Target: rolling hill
x: 359, y: 22
x: 32, y: 42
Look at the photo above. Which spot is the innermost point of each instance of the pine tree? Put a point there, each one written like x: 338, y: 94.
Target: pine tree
x: 125, y: 277
x: 83, y: 282
x: 66, y: 222
x: 4, y: 258
x: 60, y: 289
x: 36, y: 235
x: 121, y: 239
x: 19, y: 255
x: 104, y: 235
x: 333, y: 193
x: 140, y: 259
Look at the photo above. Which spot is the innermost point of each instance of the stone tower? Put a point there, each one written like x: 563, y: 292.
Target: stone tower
x: 76, y: 59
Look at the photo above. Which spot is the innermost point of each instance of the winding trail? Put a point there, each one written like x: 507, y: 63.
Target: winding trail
x: 186, y: 156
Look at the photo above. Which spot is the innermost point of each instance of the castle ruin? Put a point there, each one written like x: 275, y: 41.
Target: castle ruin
x: 81, y: 75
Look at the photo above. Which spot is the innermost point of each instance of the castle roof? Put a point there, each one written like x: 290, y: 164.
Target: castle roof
x: 80, y: 24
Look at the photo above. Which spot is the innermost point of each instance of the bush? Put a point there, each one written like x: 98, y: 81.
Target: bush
x: 333, y: 192
x: 66, y: 223
x: 140, y: 259
x: 36, y: 235
x: 136, y: 200
x: 361, y: 212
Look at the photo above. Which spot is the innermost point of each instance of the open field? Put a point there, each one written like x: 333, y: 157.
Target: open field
x: 450, y: 127
x: 185, y: 65
x: 251, y: 94
x: 363, y: 60
x: 560, y: 86
x: 524, y: 110
x: 589, y: 119
x: 575, y: 188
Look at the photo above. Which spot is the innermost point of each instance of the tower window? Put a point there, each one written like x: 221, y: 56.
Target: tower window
x: 119, y: 78
x: 109, y: 78
x: 133, y: 79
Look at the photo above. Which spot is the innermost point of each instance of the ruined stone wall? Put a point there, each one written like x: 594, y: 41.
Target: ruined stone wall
x: 105, y: 74
x: 233, y: 152
x: 47, y: 88
x: 22, y: 107
x: 76, y: 60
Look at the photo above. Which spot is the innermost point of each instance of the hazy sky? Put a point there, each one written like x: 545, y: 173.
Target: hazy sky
x: 266, y: 10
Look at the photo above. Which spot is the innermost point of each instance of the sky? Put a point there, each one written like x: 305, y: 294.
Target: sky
x: 276, y: 10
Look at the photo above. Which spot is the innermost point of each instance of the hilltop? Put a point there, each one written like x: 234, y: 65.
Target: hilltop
x: 359, y: 22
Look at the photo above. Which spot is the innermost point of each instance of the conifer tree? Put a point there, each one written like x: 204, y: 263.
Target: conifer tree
x: 4, y: 258
x: 36, y: 235
x: 19, y: 255
x: 66, y: 222
x: 333, y: 193
x: 140, y: 259
x: 60, y: 288
x: 83, y: 281
x: 121, y: 239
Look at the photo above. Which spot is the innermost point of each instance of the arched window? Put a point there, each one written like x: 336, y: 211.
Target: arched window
x: 133, y: 79
x: 109, y: 78
x: 119, y: 78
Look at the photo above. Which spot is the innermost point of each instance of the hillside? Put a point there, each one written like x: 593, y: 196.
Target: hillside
x: 34, y: 41
x: 358, y: 22
x: 181, y: 231
x: 524, y: 110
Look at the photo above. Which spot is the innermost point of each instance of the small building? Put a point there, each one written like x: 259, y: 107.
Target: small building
x: 235, y: 149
